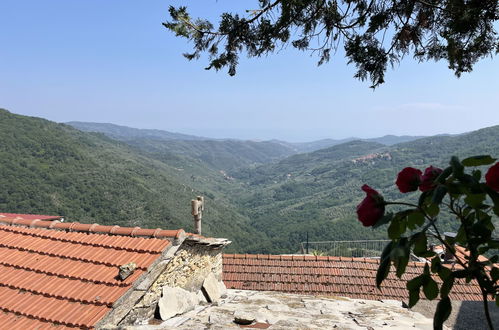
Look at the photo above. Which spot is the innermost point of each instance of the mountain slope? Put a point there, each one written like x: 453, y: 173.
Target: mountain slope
x: 318, y: 192
x: 53, y: 168
x: 219, y: 154
x: 124, y: 133
x: 304, y: 147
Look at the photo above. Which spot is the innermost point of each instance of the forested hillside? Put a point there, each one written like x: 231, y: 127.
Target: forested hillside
x: 125, y: 133
x: 388, y: 140
x: 53, y: 168
x: 219, y: 154
x: 262, y: 204
x: 318, y: 192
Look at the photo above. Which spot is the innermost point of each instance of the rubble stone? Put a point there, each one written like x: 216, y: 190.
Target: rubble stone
x: 243, y: 317
x: 211, y: 288
x: 176, y: 301
x: 126, y: 270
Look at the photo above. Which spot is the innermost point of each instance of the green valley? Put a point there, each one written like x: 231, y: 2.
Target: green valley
x: 264, y: 196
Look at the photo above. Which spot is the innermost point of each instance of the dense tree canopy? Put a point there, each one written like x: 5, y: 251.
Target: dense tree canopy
x: 373, y: 33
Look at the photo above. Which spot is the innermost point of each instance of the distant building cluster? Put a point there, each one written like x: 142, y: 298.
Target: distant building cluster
x: 372, y: 157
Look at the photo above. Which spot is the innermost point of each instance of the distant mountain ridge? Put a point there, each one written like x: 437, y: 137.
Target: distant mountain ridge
x: 221, y: 154
x: 125, y: 133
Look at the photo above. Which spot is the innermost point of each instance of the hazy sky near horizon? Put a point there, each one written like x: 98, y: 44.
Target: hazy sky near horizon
x: 112, y: 61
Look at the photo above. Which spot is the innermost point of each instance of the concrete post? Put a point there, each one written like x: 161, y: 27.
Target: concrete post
x: 197, y: 208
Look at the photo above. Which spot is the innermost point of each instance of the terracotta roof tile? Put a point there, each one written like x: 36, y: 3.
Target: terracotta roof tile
x: 323, y: 275
x: 16, y: 216
x: 56, y: 275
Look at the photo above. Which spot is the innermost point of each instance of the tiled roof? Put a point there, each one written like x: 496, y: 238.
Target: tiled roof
x: 323, y: 275
x: 55, y: 274
x: 14, y: 216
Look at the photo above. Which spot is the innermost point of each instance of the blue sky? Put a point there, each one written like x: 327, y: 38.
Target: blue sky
x: 113, y: 61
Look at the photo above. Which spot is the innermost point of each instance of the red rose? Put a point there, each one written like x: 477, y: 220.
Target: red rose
x: 372, y: 208
x: 408, y: 179
x: 429, y: 176
x: 492, y: 177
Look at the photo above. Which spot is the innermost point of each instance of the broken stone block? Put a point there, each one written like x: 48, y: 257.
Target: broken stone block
x: 175, y: 301
x: 243, y: 318
x: 126, y: 270
x: 201, y: 297
x: 211, y: 288
x: 223, y: 289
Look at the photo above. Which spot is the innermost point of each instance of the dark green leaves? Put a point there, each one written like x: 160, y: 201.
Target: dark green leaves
x: 478, y: 161
x: 475, y: 200
x: 384, y: 220
x: 384, y: 266
x: 400, y: 256
x: 397, y: 226
x: 457, y: 167
x: 439, y: 194
x: 462, y: 196
x: 467, y: 32
x: 421, y: 245
x: 383, y: 270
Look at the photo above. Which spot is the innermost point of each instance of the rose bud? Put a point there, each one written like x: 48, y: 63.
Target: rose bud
x: 409, y: 179
x: 492, y: 177
x: 372, y: 208
x: 429, y: 177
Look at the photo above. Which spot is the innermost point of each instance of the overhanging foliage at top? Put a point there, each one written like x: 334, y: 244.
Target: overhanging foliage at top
x: 373, y: 33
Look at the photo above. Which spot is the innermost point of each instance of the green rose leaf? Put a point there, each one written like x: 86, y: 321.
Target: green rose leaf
x: 397, y: 227
x: 421, y: 246
x: 400, y: 256
x: 439, y: 194
x: 444, y: 175
x: 387, y: 250
x: 424, y: 198
x: 475, y: 200
x: 382, y: 273
x: 478, y: 161
x: 415, y: 219
x: 444, y: 308
x: 432, y: 210
x: 457, y: 167
x: 384, y: 220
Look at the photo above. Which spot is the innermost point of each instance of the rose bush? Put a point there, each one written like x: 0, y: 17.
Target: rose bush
x: 458, y: 193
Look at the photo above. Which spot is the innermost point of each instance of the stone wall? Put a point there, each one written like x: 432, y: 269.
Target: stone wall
x: 186, y: 269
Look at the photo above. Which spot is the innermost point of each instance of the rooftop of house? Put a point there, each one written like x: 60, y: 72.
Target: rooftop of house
x: 16, y: 216
x: 57, y: 274
x: 325, y: 275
